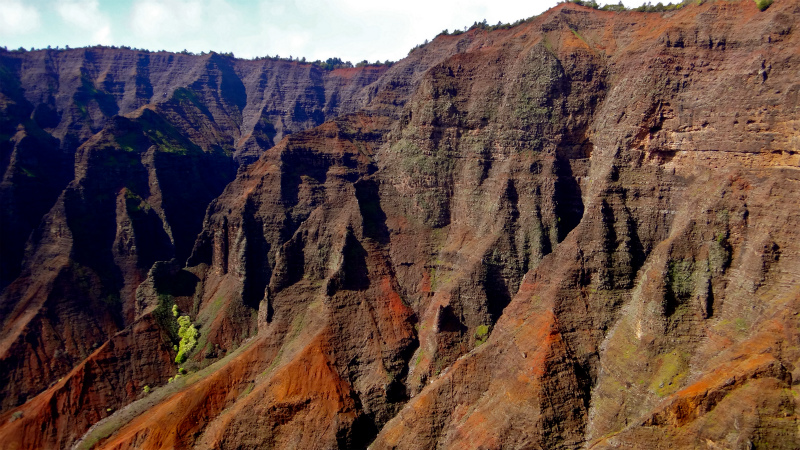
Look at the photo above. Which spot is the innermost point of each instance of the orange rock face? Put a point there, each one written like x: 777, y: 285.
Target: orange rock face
x: 577, y: 232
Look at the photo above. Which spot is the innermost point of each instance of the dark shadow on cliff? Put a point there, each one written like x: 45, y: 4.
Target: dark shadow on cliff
x: 567, y: 198
x: 257, y: 266
x: 373, y: 219
x: 355, y: 275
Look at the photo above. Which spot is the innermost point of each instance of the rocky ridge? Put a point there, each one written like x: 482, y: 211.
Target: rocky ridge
x: 576, y: 232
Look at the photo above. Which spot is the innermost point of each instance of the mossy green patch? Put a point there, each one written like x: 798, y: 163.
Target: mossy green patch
x: 27, y: 172
x: 579, y: 36
x: 679, y: 277
x: 672, y: 369
x: 88, y: 93
x: 298, y: 323
x: 736, y: 328
x: 208, y: 314
x: 128, y: 142
x: 719, y: 253
x: 741, y: 325
x: 247, y: 390
x: 186, y: 95
x: 164, y: 135
x: 136, y: 204
x: 440, y: 272
x: 481, y: 334
x: 275, y: 361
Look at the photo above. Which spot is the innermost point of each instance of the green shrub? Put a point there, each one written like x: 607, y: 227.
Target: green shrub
x: 481, y: 334
x: 188, y: 334
x: 763, y: 4
x: 146, y: 389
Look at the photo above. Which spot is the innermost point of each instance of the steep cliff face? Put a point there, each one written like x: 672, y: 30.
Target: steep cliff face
x: 576, y: 232
x: 625, y: 334
x: 70, y: 95
x: 111, y: 377
x: 140, y: 187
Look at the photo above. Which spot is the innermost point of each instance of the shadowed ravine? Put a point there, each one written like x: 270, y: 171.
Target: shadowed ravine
x: 576, y: 232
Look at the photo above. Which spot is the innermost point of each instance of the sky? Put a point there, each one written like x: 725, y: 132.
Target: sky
x: 353, y: 30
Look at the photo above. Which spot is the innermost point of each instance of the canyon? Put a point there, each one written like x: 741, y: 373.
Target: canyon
x: 579, y: 231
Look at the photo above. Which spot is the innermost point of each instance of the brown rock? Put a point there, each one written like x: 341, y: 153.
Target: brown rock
x: 575, y: 232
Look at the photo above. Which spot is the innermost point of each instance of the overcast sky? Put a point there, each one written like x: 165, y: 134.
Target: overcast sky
x: 353, y: 30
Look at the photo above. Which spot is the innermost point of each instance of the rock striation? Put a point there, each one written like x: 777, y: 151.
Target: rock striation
x: 577, y: 232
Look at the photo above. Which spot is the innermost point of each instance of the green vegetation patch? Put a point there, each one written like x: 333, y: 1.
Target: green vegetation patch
x: 128, y: 142
x: 163, y: 134
x: 672, y: 369
x: 186, y: 95
x: 136, y: 204
x: 740, y: 325
x: 88, y: 93
x: 577, y: 35
x: 205, y: 318
x: 27, y: 172
x: 481, y: 334
x: 679, y: 277
x: 247, y: 390
x: 763, y: 4
x: 188, y: 335
x: 647, y: 7
x: 719, y: 253
x: 275, y: 361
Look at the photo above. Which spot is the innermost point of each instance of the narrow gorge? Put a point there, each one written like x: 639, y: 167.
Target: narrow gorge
x: 580, y: 231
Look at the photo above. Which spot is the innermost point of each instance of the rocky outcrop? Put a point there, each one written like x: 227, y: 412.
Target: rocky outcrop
x: 578, y: 232
x: 112, y: 376
x: 140, y: 185
x: 243, y: 106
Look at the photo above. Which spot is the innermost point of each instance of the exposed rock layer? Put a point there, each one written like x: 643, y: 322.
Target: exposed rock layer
x: 577, y: 232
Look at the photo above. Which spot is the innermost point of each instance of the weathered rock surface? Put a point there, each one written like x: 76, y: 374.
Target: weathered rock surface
x: 579, y: 232
x: 140, y: 185
x: 70, y: 95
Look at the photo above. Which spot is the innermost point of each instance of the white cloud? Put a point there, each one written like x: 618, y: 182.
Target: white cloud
x: 372, y: 30
x: 85, y: 17
x: 154, y: 19
x: 17, y: 18
x: 196, y: 25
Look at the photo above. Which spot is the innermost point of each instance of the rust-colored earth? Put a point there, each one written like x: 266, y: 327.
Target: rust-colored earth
x: 577, y: 232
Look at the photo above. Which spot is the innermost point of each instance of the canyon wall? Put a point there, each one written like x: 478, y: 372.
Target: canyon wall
x: 577, y: 232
